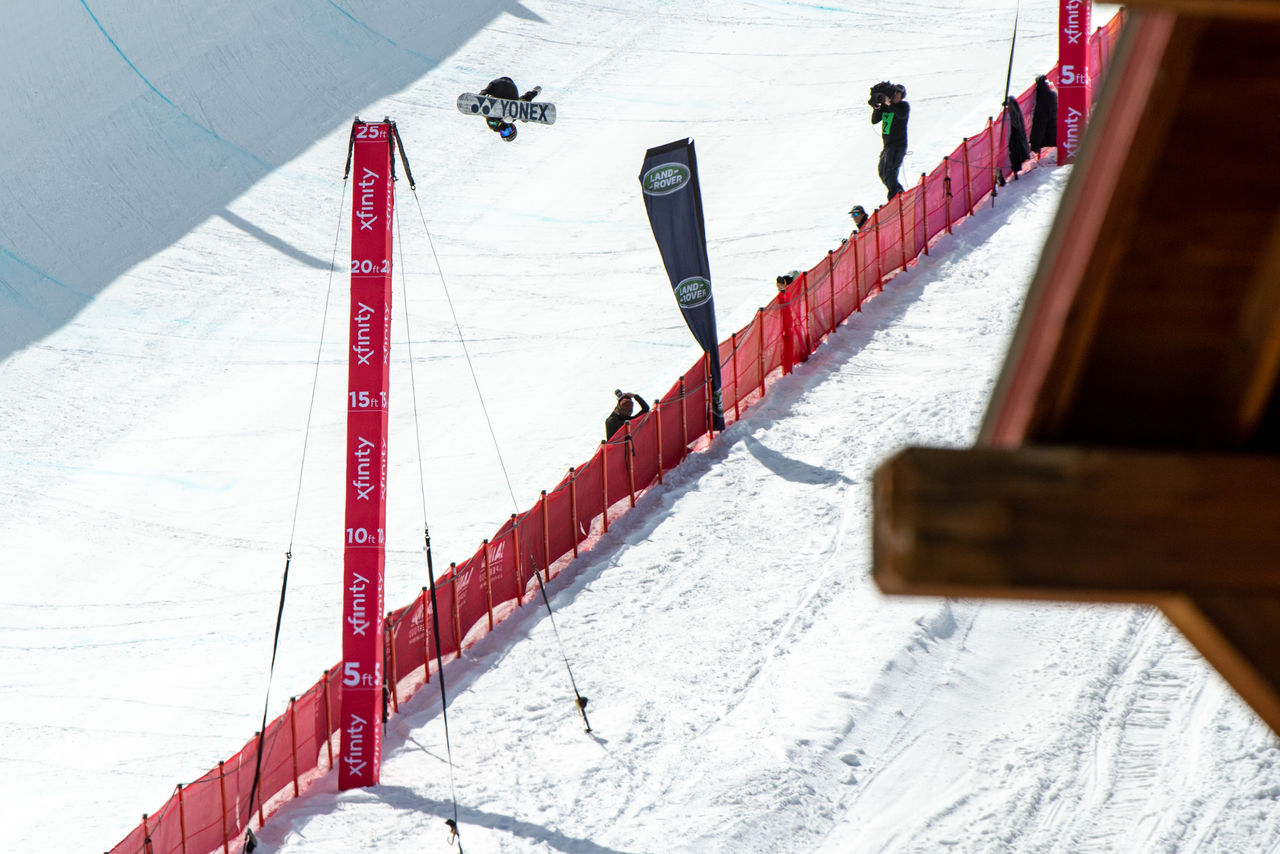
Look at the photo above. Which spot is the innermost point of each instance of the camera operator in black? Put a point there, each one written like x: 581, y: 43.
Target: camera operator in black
x: 890, y: 110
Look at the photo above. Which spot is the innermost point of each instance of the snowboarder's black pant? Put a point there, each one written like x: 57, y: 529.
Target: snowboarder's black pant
x: 890, y: 162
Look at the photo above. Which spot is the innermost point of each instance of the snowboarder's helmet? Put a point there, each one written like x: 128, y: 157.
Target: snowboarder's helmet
x: 507, y: 132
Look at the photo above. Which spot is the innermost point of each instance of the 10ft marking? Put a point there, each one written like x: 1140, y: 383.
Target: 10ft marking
x: 364, y: 537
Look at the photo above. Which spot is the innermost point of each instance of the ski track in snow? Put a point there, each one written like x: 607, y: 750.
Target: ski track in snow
x: 751, y: 689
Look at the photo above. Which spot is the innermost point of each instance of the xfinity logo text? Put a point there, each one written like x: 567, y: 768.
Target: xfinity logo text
x: 366, y: 212
x: 1071, y: 25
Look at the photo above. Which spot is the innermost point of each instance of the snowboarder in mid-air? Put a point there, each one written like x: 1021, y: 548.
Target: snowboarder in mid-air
x: 505, y: 87
x: 501, y: 105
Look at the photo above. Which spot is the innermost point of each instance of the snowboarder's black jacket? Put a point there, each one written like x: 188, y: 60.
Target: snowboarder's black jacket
x: 892, y: 119
x: 616, y: 419
x: 503, y: 87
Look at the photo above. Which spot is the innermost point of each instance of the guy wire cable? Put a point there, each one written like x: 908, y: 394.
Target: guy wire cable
x: 579, y: 700
x: 426, y: 532
x: 250, y: 842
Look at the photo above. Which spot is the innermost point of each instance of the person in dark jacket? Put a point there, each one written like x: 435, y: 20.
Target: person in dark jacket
x: 622, y: 412
x: 1044, y: 120
x: 859, y: 215
x: 890, y: 110
x: 1019, y: 151
x: 505, y: 87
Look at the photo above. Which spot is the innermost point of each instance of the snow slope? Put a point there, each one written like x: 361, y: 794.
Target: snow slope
x: 164, y: 272
x: 752, y: 691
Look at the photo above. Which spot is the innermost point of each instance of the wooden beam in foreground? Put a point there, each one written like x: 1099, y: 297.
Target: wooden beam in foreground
x: 1255, y: 10
x: 1236, y: 634
x: 1252, y: 370
x: 1086, y: 525
x: 1199, y: 536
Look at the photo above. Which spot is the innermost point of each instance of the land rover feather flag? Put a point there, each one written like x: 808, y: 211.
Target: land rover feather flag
x: 669, y: 180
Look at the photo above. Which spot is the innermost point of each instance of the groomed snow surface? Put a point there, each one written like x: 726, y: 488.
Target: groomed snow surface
x: 164, y: 270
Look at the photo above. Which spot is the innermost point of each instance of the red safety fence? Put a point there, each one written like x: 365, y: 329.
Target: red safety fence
x: 211, y: 814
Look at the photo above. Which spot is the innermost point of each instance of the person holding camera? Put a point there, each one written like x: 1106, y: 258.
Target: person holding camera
x: 890, y: 110
x: 622, y: 412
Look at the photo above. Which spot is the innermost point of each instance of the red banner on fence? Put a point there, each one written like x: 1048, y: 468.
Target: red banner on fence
x: 1073, y: 75
x: 364, y: 539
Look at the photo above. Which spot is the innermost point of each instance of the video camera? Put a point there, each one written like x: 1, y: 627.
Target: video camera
x: 881, y: 92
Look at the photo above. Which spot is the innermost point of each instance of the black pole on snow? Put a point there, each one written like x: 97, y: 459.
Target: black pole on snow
x: 444, y: 706
x: 1008, y: 77
x: 1008, y: 80
x: 262, y: 738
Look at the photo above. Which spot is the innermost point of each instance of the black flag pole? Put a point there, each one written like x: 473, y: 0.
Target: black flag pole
x: 1008, y: 81
x: 1008, y: 77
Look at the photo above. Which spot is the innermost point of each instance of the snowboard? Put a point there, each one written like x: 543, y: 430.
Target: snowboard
x: 484, y: 106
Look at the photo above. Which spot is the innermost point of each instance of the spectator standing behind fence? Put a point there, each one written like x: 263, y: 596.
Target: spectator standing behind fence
x: 859, y: 215
x: 1019, y: 151
x: 1044, y: 119
x: 890, y: 110
x: 622, y: 412
x: 788, y: 323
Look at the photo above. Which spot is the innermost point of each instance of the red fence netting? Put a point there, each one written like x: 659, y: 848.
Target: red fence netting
x: 211, y: 813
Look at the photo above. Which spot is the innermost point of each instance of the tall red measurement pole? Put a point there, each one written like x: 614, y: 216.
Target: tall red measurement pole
x: 364, y: 554
x: 1073, y: 75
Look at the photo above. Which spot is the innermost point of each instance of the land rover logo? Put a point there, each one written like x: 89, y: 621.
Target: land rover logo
x: 665, y: 178
x: 693, y: 292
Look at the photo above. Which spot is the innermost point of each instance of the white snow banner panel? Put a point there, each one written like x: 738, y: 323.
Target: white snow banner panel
x: 364, y: 555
